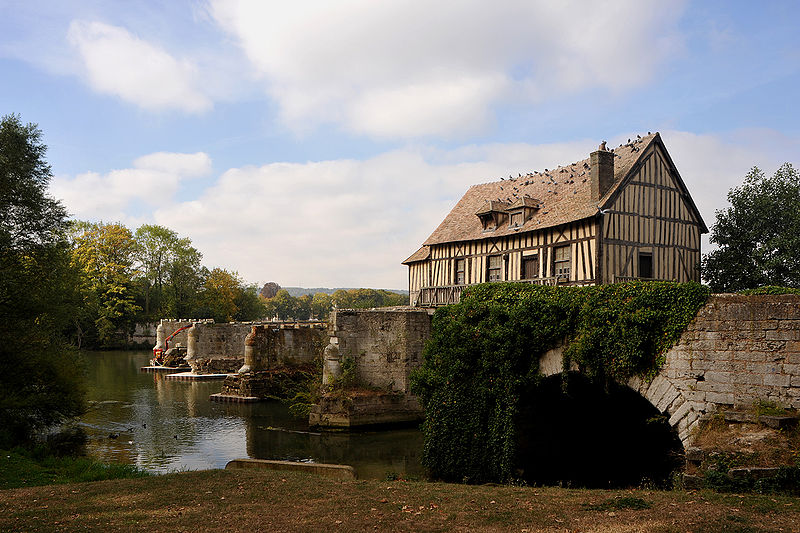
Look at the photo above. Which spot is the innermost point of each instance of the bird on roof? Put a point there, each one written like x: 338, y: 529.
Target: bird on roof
x: 638, y: 136
x: 648, y: 133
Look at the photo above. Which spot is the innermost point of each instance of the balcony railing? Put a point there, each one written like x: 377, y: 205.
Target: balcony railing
x: 451, y: 294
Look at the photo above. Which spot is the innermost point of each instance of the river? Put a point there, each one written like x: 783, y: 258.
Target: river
x: 165, y: 425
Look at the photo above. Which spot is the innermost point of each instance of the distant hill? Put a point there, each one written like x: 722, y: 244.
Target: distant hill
x: 300, y: 291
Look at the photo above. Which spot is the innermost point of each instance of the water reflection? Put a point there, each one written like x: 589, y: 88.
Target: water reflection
x: 166, y: 425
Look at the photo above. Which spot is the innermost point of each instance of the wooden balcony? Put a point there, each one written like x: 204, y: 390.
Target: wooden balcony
x: 451, y: 294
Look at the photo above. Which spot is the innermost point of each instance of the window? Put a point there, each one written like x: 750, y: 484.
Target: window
x: 488, y: 221
x: 461, y: 271
x: 517, y: 219
x: 561, y: 262
x: 645, y: 265
x: 530, y: 267
x: 495, y: 269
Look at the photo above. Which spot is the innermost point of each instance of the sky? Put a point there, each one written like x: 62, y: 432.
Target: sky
x: 318, y: 144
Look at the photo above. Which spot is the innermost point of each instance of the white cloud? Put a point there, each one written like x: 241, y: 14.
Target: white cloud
x: 436, y: 68
x: 135, y: 70
x: 153, y: 181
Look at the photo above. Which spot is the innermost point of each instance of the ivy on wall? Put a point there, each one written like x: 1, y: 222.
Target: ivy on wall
x: 485, y: 350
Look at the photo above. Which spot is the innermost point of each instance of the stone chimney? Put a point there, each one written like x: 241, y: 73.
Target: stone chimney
x: 602, y: 171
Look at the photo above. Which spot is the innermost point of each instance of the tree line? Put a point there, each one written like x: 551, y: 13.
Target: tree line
x: 126, y: 277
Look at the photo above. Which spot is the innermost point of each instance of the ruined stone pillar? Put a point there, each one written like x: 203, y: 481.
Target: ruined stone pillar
x: 332, y: 362
x: 252, y: 361
x: 191, y: 344
x: 160, y: 336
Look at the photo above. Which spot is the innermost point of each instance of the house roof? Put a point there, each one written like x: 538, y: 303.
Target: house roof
x: 420, y: 255
x: 563, y: 195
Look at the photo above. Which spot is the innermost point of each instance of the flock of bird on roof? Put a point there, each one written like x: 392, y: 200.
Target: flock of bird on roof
x: 530, y: 177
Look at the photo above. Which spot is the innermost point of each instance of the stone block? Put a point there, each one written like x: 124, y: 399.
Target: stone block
x: 777, y: 380
x: 747, y: 378
x: 680, y: 412
x: 718, y: 377
x: 783, y: 335
x: 669, y: 396
x: 720, y: 398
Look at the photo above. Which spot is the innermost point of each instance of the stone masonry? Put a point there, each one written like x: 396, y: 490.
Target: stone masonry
x: 738, y: 350
x: 386, y: 343
x: 220, y: 348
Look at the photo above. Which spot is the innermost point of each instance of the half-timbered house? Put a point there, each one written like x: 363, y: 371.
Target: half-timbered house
x: 620, y: 214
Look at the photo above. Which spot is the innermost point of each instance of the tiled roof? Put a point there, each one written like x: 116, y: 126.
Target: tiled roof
x: 563, y: 195
x: 420, y: 255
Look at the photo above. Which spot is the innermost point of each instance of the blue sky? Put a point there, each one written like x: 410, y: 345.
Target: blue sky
x: 319, y: 143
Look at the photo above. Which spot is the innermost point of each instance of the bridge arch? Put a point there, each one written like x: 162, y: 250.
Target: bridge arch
x: 668, y: 398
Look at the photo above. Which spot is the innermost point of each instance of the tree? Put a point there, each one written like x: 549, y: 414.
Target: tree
x: 154, y: 248
x: 170, y: 270
x: 104, y: 254
x: 321, y: 305
x: 758, y: 235
x: 269, y: 290
x: 41, y: 381
x: 219, y: 294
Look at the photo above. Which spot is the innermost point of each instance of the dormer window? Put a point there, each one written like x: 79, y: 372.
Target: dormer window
x: 488, y: 221
x: 492, y: 215
x: 522, y: 211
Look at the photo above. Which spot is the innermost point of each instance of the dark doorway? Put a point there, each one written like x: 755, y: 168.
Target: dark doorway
x: 581, y: 435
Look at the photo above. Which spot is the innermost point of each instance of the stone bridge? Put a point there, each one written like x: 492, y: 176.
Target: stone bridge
x: 737, y: 350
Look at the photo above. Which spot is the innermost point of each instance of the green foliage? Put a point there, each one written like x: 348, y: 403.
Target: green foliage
x: 770, y: 290
x: 349, y: 377
x: 768, y: 408
x: 754, y: 248
x: 41, y: 379
x: 104, y: 256
x: 29, y: 468
x: 484, y: 353
x: 619, y: 503
x: 288, y: 307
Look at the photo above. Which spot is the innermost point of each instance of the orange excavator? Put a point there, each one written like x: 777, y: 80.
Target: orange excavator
x: 158, y: 353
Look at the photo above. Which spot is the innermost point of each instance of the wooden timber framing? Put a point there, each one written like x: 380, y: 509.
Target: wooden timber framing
x: 638, y: 221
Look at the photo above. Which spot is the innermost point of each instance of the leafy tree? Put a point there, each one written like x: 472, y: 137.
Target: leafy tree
x: 41, y: 381
x: 321, y: 305
x: 186, y: 277
x: 269, y: 290
x: 758, y: 235
x: 284, y: 305
x: 219, y: 294
x: 154, y: 247
x: 249, y: 305
x: 104, y: 254
x: 170, y: 272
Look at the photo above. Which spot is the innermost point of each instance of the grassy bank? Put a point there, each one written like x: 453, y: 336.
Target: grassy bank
x: 220, y: 500
x: 28, y: 468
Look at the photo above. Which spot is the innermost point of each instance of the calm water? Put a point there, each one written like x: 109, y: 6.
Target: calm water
x: 165, y: 426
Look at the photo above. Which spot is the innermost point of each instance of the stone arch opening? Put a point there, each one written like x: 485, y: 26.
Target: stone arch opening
x: 577, y: 433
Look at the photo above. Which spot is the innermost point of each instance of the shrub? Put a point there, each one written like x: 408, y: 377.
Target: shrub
x: 485, y: 350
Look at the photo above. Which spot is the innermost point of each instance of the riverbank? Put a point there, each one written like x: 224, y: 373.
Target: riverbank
x: 29, y: 468
x: 219, y: 500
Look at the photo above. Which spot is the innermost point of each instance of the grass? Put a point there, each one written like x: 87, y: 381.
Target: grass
x: 25, y: 468
x: 219, y: 500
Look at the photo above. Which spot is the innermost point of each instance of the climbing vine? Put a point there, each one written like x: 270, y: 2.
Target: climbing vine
x: 485, y: 350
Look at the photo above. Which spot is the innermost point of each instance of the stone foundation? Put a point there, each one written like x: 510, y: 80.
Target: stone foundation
x: 280, y: 383
x: 384, y: 345
x: 354, y: 409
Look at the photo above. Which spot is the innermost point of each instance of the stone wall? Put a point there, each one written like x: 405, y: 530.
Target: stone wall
x: 220, y: 348
x: 273, y: 345
x: 386, y: 343
x: 738, y: 350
